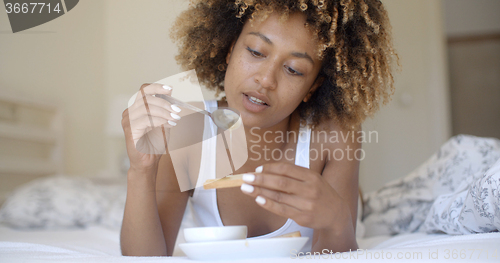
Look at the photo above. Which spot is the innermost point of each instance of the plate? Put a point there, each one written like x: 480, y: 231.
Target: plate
x: 244, y: 249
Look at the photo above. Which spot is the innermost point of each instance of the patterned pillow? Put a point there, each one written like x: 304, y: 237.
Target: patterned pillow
x: 475, y: 209
x: 53, y: 202
x: 402, y: 206
x: 113, y: 197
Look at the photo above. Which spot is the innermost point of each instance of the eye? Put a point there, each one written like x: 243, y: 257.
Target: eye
x: 292, y: 71
x: 255, y: 53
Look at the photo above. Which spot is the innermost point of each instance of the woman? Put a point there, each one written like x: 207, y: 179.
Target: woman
x: 289, y: 67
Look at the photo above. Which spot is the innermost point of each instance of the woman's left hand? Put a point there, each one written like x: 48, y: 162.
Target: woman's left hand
x: 294, y: 192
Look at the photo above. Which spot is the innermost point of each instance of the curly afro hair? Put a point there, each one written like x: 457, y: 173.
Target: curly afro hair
x: 354, y: 39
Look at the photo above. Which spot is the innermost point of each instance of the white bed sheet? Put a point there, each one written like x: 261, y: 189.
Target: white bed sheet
x: 102, y: 212
x: 100, y: 244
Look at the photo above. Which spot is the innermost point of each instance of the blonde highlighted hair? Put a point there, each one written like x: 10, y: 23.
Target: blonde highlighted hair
x: 355, y: 47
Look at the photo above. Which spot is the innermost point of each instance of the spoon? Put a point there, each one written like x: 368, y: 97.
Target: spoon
x: 224, y: 118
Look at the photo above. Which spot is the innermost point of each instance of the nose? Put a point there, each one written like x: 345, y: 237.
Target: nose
x: 267, y: 74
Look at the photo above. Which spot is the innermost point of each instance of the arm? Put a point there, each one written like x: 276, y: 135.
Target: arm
x: 171, y: 204
x: 153, y: 212
x: 143, y: 233
x: 342, y: 176
x: 327, y: 202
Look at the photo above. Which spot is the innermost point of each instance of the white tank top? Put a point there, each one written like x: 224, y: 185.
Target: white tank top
x: 204, y: 202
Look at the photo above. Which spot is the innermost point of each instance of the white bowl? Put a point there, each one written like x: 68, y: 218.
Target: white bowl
x: 207, y: 234
x: 232, y: 250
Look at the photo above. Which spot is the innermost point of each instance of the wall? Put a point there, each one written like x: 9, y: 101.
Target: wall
x: 138, y: 46
x: 62, y: 62
x: 417, y: 121
x: 410, y: 128
x: 465, y: 17
x: 102, y: 51
x: 138, y: 50
x: 473, y: 28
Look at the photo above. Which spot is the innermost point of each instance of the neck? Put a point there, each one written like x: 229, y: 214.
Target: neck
x: 278, y: 136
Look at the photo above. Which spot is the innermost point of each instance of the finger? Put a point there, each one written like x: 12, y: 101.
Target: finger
x: 149, y: 89
x: 154, y: 111
x: 139, y: 113
x: 144, y: 124
x: 156, y: 88
x: 298, y: 202
x: 277, y: 208
x: 149, y: 100
x: 150, y: 146
x: 125, y: 113
x: 287, y: 169
x: 155, y: 137
x: 275, y: 182
x: 153, y: 89
x: 154, y: 142
x: 126, y: 124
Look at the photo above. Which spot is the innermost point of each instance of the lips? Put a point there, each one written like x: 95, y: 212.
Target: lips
x: 254, y: 104
x: 257, y: 98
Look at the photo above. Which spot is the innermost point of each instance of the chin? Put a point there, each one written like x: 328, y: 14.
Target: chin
x: 250, y: 121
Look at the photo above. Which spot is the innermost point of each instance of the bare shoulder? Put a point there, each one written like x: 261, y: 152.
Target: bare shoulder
x: 332, y: 135
x: 341, y: 151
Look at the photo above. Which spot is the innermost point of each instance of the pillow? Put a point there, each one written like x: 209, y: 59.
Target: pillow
x: 113, y: 197
x: 53, y: 202
x: 475, y: 209
x: 402, y: 206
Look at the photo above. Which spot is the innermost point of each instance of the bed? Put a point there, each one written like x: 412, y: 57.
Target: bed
x: 100, y: 244
x: 446, y: 209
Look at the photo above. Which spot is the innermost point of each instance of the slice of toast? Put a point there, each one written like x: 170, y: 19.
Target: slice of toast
x: 225, y: 182
x: 293, y: 234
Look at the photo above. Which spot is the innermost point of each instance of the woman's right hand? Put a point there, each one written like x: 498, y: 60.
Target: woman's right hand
x: 146, y: 124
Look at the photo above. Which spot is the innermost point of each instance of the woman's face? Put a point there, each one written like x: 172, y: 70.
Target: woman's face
x: 271, y: 68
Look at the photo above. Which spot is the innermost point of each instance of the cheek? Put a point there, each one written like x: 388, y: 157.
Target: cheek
x: 294, y: 92
x: 230, y: 79
x: 289, y: 98
x: 237, y: 72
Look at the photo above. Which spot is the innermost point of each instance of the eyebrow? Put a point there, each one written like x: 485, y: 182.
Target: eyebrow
x: 295, y: 54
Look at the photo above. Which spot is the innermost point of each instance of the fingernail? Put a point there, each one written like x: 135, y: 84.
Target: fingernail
x: 172, y: 123
x: 258, y: 169
x: 260, y: 200
x: 248, y: 178
x: 247, y: 188
x: 175, y: 108
x: 175, y: 116
x: 167, y: 87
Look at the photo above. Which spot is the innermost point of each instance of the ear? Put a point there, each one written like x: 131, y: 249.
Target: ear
x: 319, y: 80
x: 228, y: 56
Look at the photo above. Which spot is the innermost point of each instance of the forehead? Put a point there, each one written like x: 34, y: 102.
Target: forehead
x: 290, y: 31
